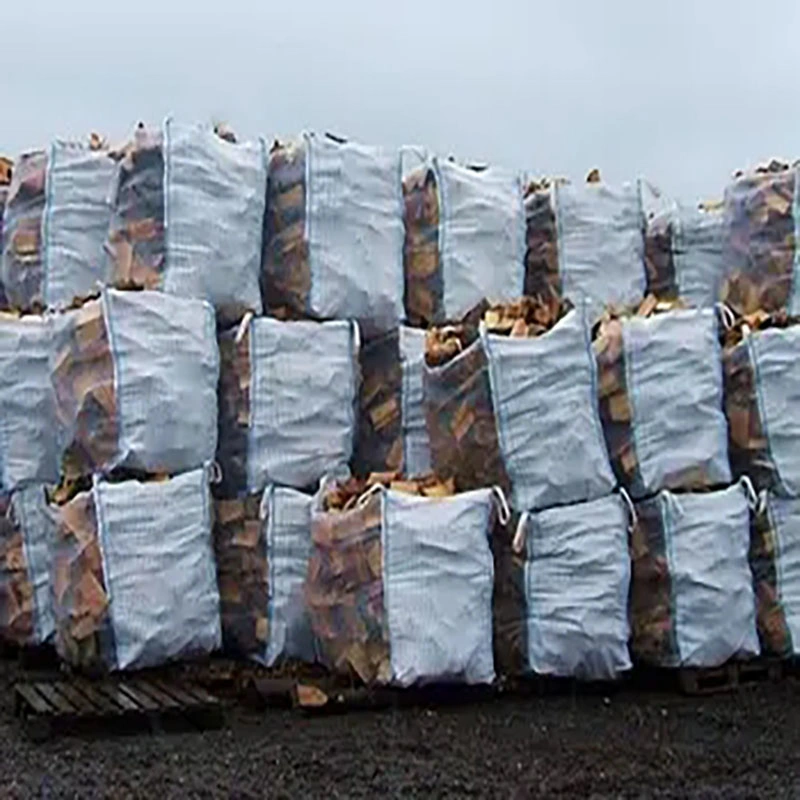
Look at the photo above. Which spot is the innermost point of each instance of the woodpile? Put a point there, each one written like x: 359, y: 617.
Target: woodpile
x: 286, y: 270
x: 22, y: 233
x: 17, y: 603
x: 5, y: 181
x: 761, y: 238
x: 653, y: 633
x: 659, y: 259
x: 773, y: 632
x: 242, y: 574
x: 379, y: 434
x: 527, y: 317
x: 136, y: 242
x: 84, y: 635
x: 234, y: 411
x: 424, y: 287
x: 85, y: 395
x: 344, y: 586
x: 542, y: 276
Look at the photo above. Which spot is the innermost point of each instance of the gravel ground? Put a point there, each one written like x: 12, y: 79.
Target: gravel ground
x: 632, y: 744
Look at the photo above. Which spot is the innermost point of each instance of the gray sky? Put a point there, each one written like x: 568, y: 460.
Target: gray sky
x: 679, y: 91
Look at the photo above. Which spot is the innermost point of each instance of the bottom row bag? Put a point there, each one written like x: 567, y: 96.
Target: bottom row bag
x: 134, y: 582
x: 692, y: 602
x: 561, y: 594
x: 399, y: 587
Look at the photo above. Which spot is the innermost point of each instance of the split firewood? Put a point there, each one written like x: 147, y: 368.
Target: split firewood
x: 4, y: 190
x: 593, y: 176
x: 653, y: 634
x: 85, y: 393
x: 6, y: 171
x: 527, y: 317
x: 241, y: 554
x: 424, y: 287
x: 761, y: 236
x: 659, y: 261
x: 22, y: 232
x: 344, y: 495
x: 344, y: 589
x: 379, y: 435
x: 234, y: 411
x: 286, y: 270
x: 748, y: 446
x: 773, y: 631
x: 84, y: 635
x: 136, y: 237
x: 17, y: 603
x: 542, y: 276
x: 459, y: 412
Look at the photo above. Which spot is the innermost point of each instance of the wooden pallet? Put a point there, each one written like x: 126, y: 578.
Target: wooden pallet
x: 729, y: 677
x: 47, y: 707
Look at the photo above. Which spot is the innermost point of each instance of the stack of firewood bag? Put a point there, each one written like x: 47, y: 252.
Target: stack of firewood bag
x: 27, y: 532
x: 187, y: 210
x: 661, y: 400
x: 333, y: 239
x: 561, y: 591
x: 262, y: 546
x: 760, y: 232
x: 399, y: 584
x: 135, y: 377
x: 287, y: 403
x: 21, y: 267
x: 519, y: 411
x: 692, y: 601
x: 391, y: 434
x: 134, y: 581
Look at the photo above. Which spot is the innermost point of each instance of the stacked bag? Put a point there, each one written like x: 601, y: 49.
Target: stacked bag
x: 411, y: 419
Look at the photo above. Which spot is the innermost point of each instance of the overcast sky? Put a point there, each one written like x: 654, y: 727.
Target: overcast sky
x: 680, y: 91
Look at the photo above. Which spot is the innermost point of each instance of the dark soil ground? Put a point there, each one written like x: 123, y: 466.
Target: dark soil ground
x: 631, y: 743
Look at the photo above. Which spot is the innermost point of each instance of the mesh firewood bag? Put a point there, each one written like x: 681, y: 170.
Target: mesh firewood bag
x: 760, y: 236
x: 399, y: 585
x: 28, y: 445
x: 685, y: 254
x: 391, y: 435
x: 22, y: 271
x: 262, y: 545
x: 6, y: 171
x: 333, y: 233
x: 692, y: 602
x: 76, y: 220
x: 133, y: 574
x: 521, y: 413
x: 561, y: 592
x: 27, y: 531
x: 762, y: 382
x: 135, y: 377
x: 661, y: 401
x: 775, y: 563
x: 287, y: 397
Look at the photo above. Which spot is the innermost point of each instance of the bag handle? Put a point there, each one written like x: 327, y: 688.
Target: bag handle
x: 518, y: 542
x: 503, y: 511
x: 750, y: 492
x: 633, y: 517
x: 243, y: 326
x: 726, y: 315
x: 365, y: 497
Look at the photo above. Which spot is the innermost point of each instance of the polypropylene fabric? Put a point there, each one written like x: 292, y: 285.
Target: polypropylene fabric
x: 38, y: 526
x: 601, y: 243
x: 699, y: 255
x: 158, y: 563
x: 287, y: 517
x: 354, y: 228
x: 416, y: 446
x: 28, y: 441
x: 215, y: 193
x: 674, y: 381
x: 166, y: 368
x: 708, y: 537
x: 577, y: 577
x: 481, y: 236
x: 437, y: 577
x: 304, y: 382
x: 773, y: 353
x: 785, y: 515
x: 545, y: 404
x: 76, y: 221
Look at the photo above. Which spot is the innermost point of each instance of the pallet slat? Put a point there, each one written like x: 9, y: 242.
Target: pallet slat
x: 38, y: 703
x: 145, y: 702
x: 58, y: 701
x: 164, y: 700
